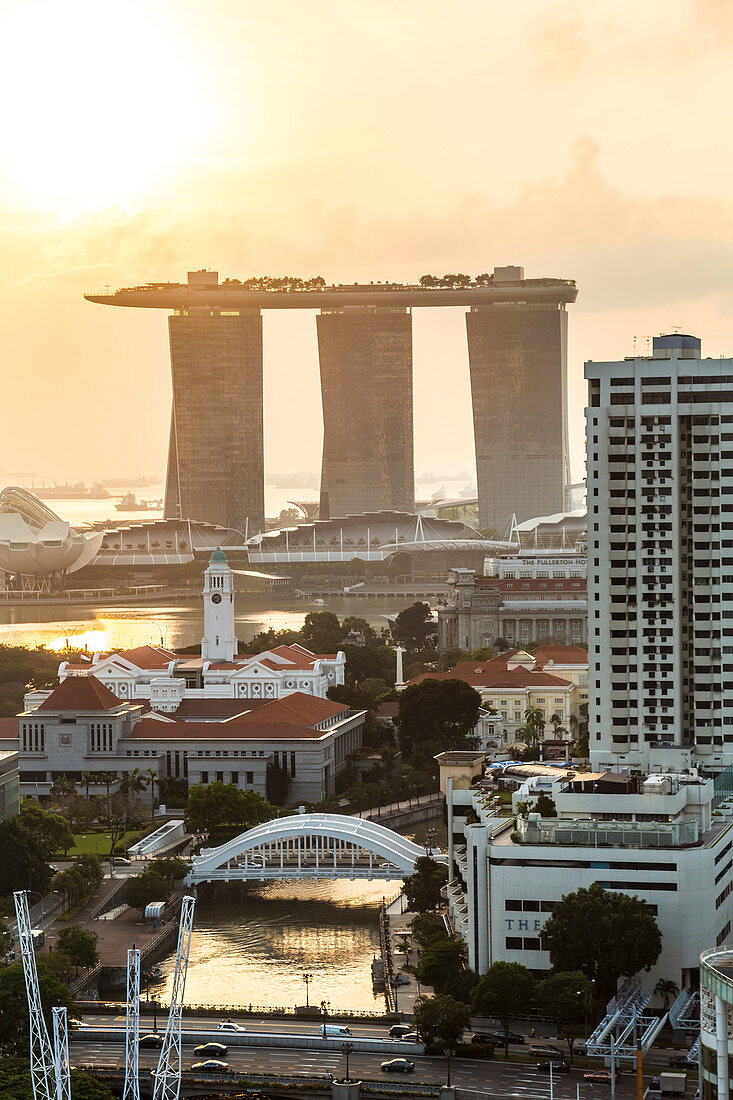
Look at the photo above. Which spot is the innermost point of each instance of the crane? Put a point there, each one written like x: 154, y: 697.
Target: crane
x: 131, y: 1090
x: 62, y: 1069
x: 43, y: 1074
x: 168, y: 1074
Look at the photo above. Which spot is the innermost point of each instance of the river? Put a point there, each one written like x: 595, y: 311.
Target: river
x: 252, y: 945
x: 175, y: 624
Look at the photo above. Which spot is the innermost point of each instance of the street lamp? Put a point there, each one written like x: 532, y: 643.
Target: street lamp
x: 347, y: 1049
x: 307, y: 978
x: 448, y: 1055
x: 325, y: 1005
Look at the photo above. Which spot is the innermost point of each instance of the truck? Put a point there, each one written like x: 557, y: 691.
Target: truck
x: 673, y: 1084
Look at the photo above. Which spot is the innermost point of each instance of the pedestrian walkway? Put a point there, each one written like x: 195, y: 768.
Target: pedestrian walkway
x: 404, y: 953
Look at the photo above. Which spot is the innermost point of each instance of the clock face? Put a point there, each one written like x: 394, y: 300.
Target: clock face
x: 216, y: 598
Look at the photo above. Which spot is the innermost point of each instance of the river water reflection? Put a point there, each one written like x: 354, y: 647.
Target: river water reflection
x: 252, y: 945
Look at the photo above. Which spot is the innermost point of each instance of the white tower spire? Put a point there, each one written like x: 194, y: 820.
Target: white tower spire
x: 219, y: 642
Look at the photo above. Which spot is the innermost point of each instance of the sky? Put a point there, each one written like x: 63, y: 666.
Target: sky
x: 358, y: 140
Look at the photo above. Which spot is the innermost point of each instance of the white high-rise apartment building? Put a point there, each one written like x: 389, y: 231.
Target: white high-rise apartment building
x: 660, y: 559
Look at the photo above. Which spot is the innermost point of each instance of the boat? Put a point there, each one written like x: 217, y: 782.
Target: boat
x: 130, y: 503
x: 77, y: 491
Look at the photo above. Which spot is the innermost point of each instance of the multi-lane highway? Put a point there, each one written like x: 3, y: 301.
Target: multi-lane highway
x: 511, y: 1079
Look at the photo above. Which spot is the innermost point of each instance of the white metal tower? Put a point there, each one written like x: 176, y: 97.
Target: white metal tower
x: 168, y: 1073
x: 131, y: 1090
x: 43, y: 1077
x: 62, y: 1068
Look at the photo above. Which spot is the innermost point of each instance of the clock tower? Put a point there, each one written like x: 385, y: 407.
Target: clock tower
x: 219, y: 642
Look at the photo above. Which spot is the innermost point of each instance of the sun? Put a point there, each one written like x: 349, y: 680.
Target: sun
x: 100, y: 102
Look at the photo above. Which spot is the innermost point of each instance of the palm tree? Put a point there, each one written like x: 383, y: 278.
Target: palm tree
x: 152, y: 778
x: 133, y: 782
x: 87, y: 779
x: 534, y: 722
x: 666, y: 989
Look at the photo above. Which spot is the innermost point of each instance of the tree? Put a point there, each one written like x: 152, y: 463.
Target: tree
x: 71, y: 884
x: 436, y: 715
x: 211, y: 804
x: 51, y: 829
x: 117, y: 813
x: 534, y: 723
x: 322, y: 631
x: 566, y: 997
x: 14, y: 1023
x: 666, y: 989
x: 24, y: 865
x: 90, y: 867
x: 504, y: 991
x: 427, y: 927
x: 15, y: 1082
x: 355, y: 624
x: 133, y: 783
x: 440, y: 1019
x: 88, y: 778
x: 277, y: 784
x: 172, y: 868
x: 442, y: 963
x: 141, y: 890
x: 61, y: 787
x: 80, y: 946
x: 411, y: 625
x: 604, y: 933
x: 422, y: 888
x: 152, y: 777
x: 545, y: 806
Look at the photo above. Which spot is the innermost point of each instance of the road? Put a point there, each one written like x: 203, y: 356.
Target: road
x: 507, y: 1079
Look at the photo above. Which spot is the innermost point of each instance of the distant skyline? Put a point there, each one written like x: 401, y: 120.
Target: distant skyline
x: 357, y: 139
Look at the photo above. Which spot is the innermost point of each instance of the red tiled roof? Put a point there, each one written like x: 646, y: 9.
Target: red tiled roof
x: 299, y: 707
x: 81, y: 693
x: 147, y: 656
x: 216, y: 708
x: 560, y: 655
x: 483, y: 675
x: 236, y: 729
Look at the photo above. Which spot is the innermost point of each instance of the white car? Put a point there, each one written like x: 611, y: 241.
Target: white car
x: 228, y: 1025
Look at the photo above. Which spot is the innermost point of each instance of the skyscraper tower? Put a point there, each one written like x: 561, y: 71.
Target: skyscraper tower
x: 517, y: 354
x: 215, y: 456
x: 365, y: 355
x: 660, y: 559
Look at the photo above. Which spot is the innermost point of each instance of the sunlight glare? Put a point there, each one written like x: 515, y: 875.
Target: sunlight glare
x: 93, y: 641
x: 101, y: 101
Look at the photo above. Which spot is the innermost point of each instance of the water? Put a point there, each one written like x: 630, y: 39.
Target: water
x: 175, y: 624
x: 252, y: 945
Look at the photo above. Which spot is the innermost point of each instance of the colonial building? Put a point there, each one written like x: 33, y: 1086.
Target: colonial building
x: 554, y: 679
x: 200, y: 719
x: 531, y: 597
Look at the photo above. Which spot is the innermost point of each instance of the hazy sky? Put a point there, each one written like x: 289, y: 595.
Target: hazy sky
x: 357, y: 139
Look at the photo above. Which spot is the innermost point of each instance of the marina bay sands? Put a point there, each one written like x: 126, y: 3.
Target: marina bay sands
x: 517, y: 353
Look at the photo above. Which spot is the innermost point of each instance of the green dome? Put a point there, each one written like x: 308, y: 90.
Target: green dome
x: 218, y: 555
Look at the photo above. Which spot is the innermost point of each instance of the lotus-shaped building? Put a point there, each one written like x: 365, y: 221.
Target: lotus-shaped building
x: 35, y: 543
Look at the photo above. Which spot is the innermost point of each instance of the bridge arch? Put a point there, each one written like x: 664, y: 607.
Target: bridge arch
x: 308, y: 846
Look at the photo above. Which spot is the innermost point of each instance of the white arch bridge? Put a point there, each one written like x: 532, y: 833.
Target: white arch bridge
x: 309, y: 846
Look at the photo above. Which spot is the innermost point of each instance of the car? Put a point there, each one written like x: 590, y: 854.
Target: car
x: 599, y: 1076
x: 400, y: 979
x: 411, y: 1037
x: 151, y: 1040
x: 482, y: 1039
x: 121, y: 861
x: 397, y: 1065
x: 229, y: 1025
x: 397, y: 1031
x: 501, y: 1037
x: 211, y: 1065
x: 557, y: 1065
x: 545, y: 1050
x: 683, y: 1061
x: 213, y: 1050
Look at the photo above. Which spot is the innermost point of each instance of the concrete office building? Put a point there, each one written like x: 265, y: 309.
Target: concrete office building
x: 517, y: 348
x: 660, y: 559
x: 365, y: 356
x: 517, y: 354
x: 215, y: 456
x: 657, y: 837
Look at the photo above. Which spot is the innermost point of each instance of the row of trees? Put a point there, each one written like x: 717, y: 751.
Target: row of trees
x: 594, y: 938
x: 78, y: 881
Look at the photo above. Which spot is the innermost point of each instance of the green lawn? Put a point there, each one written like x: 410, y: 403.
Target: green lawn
x: 98, y: 842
